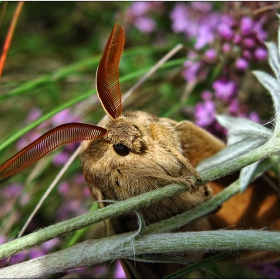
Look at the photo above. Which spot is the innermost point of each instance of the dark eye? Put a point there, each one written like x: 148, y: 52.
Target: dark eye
x: 121, y: 149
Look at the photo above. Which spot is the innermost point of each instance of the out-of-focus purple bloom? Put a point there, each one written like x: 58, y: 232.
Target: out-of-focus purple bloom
x: 246, y: 25
x: 63, y: 117
x: 12, y: 190
x: 260, y: 33
x: 27, y: 139
x: 228, y: 20
x: 179, y: 16
x: 249, y: 42
x: 86, y: 192
x: 233, y: 107
x: 254, y: 116
x: 226, y: 47
x: 47, y: 246
x: 3, y: 239
x: 119, y: 273
x: 225, y: 31
x: 139, y: 8
x: 203, y: 7
x: 241, y: 63
x: 247, y: 54
x: 61, y: 158
x: 190, y: 72
x: 205, y: 113
x: 269, y: 270
x: 211, y: 55
x: 206, y: 95
x: 260, y: 54
x: 34, y: 114
x: 79, y: 179
x: 99, y: 270
x: 36, y: 253
x: 19, y: 257
x: 224, y: 90
x: 145, y: 24
x: 237, y: 38
x: 63, y: 188
x: 205, y: 36
x: 72, y: 146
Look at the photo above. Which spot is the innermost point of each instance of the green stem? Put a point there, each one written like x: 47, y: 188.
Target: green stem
x: 94, y: 251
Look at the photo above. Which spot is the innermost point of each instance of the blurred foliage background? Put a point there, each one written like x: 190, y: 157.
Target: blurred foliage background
x: 52, y: 61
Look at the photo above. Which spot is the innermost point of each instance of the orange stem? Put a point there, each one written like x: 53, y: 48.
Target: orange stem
x: 10, y: 36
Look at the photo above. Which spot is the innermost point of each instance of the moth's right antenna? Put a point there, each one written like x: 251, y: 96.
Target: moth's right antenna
x: 107, y: 75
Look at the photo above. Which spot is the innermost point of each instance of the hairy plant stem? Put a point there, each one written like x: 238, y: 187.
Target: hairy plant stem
x: 36, y: 238
x: 92, y: 252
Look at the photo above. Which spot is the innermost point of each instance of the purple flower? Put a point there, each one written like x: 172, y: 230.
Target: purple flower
x: 34, y: 114
x: 63, y: 188
x: 260, y: 54
x: 211, y: 55
x: 11, y: 190
x: 191, y: 71
x: 61, y: 158
x: 237, y: 38
x: 48, y: 245
x: 27, y: 139
x: 260, y: 33
x: 206, y: 95
x: 246, y: 25
x: 119, y: 273
x: 205, y: 113
x: 63, y: 116
x: 203, y: 7
x: 86, y: 192
x: 145, y: 24
x: 226, y: 47
x: 241, y: 63
x: 36, y: 253
x: 228, y: 20
x: 249, y: 42
x: 247, y: 54
x: 225, y: 31
x: 233, y: 107
x: 205, y: 36
x: 254, y: 116
x: 139, y: 8
x: 3, y: 239
x: 19, y: 257
x: 99, y: 270
x: 224, y: 90
x: 179, y: 16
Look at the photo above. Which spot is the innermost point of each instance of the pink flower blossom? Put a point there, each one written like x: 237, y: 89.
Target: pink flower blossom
x: 241, y: 63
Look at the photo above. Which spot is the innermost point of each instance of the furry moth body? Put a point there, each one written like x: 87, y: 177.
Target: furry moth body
x: 135, y: 153
x: 154, y: 159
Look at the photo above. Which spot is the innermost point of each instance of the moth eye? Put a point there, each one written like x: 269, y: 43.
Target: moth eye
x: 121, y: 149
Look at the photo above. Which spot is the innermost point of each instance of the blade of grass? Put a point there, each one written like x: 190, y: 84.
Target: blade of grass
x: 197, y: 265
x: 14, y: 137
x: 9, y: 36
x: 64, y: 72
x: 3, y: 11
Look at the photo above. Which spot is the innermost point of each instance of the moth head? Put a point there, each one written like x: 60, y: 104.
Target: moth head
x: 108, y: 89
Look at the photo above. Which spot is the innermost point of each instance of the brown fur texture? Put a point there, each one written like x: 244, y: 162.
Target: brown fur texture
x: 157, y: 146
x: 157, y: 158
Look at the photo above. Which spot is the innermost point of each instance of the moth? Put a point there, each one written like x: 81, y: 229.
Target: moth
x: 130, y: 154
